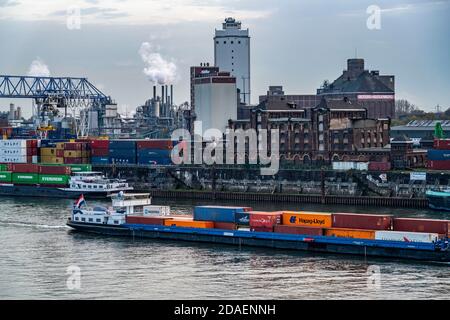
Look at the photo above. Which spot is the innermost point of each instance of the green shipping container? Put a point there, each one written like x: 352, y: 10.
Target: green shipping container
x: 25, y: 178
x: 3, y: 167
x: 5, y: 176
x: 80, y: 167
x: 53, y: 179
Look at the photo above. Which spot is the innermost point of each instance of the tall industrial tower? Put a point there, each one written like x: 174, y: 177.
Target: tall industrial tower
x: 232, y: 54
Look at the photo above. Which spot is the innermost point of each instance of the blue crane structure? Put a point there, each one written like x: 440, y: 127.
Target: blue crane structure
x: 76, y: 93
x: 44, y: 87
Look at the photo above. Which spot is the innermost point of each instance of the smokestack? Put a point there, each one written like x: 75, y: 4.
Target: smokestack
x: 162, y: 94
x: 171, y: 95
x: 154, y: 93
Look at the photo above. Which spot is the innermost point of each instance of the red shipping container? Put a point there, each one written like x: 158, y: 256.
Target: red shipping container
x: 379, y: 166
x: 265, y: 219
x: 422, y: 225
x: 146, y: 220
x: 155, y: 144
x: 76, y: 146
x: 99, y: 152
x: 362, y: 221
x: 32, y: 143
x: 23, y: 168
x: 261, y: 229
x: 438, y: 164
x: 100, y: 144
x: 55, y: 170
x: 225, y: 225
x: 59, y: 153
x: 441, y: 144
x: 73, y: 160
x: 310, y: 231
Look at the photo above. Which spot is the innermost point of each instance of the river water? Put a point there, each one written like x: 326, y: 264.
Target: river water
x: 36, y: 250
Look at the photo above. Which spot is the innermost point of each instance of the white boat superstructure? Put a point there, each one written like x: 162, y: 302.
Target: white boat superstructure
x: 123, y: 204
x: 95, y: 182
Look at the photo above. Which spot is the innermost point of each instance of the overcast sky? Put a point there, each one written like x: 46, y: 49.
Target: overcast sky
x: 295, y: 43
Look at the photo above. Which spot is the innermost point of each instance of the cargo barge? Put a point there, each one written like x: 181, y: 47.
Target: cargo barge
x: 133, y: 216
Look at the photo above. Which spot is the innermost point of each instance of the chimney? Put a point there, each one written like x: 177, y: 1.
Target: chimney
x: 154, y: 93
x: 162, y: 94
x: 171, y: 95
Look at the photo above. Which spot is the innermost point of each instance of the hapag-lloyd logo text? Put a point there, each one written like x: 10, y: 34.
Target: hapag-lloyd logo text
x: 240, y: 146
x: 295, y: 219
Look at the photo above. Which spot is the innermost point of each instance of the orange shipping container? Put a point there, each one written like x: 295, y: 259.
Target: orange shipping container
x: 186, y: 223
x: 307, y: 219
x: 350, y: 233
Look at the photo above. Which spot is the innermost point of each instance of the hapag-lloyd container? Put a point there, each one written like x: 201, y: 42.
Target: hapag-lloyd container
x: 220, y: 214
x: 264, y: 219
x: 311, y: 231
x: 406, y: 236
x: 307, y: 219
x: 186, y: 223
x: 349, y: 233
x: 362, y: 221
x: 422, y: 225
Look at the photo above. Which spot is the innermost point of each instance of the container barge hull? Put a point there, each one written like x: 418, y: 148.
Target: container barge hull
x: 263, y: 239
x: 48, y: 192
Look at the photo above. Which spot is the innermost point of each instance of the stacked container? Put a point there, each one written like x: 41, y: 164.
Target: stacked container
x: 224, y: 217
x: 18, y: 151
x: 122, y: 151
x: 76, y: 152
x: 154, y: 152
x: 99, y: 151
x: 439, y: 157
x: 264, y: 221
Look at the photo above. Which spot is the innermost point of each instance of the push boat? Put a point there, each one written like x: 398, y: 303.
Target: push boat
x: 112, y: 221
x: 91, y: 184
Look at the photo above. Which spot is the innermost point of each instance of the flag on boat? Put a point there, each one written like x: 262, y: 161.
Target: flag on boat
x: 80, y: 202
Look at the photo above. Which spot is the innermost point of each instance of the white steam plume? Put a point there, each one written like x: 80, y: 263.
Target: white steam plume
x: 38, y: 68
x: 158, y: 70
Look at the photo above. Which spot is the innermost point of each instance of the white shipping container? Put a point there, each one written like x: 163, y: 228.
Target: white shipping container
x: 342, y: 165
x: 13, y: 159
x: 406, y: 236
x: 35, y: 159
x: 362, y: 166
x: 13, y: 151
x: 13, y: 143
x: 156, y: 211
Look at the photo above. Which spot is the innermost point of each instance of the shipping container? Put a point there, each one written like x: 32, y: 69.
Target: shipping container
x: 3, y: 167
x: 362, y: 166
x: 122, y: 160
x: 146, y: 220
x: 422, y: 225
x: 122, y: 144
x: 25, y: 178
x: 5, y: 177
x: 265, y: 219
x: 143, y: 153
x: 100, y: 160
x: 73, y: 146
x: 154, y: 161
x: 434, y: 154
x: 310, y: 231
x: 155, y: 144
x: 60, y: 170
x: 362, y: 221
x: 52, y: 160
x: 60, y: 145
x: 54, y: 179
x: 72, y: 154
x: 261, y: 229
x: 14, y: 151
x: 73, y: 160
x: 406, y: 236
x: 14, y: 159
x: 225, y: 225
x: 308, y: 219
x: 48, y: 152
x: 13, y: 143
x: 441, y: 144
x: 122, y: 152
x: 60, y: 153
x: 379, y: 166
x: 438, y: 165
x: 221, y: 214
x: 81, y: 167
x: 186, y: 223
x: 342, y: 165
x: 349, y: 233
x: 99, y: 152
x: 99, y: 144
x: 23, y: 168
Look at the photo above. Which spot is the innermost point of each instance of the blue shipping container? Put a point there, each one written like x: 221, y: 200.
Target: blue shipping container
x: 438, y: 154
x: 142, y: 153
x: 122, y: 144
x: 122, y: 160
x: 99, y: 160
x: 122, y: 152
x: 219, y: 214
x: 154, y: 161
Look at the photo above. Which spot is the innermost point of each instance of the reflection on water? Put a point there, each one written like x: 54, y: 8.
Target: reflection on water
x: 36, y: 250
